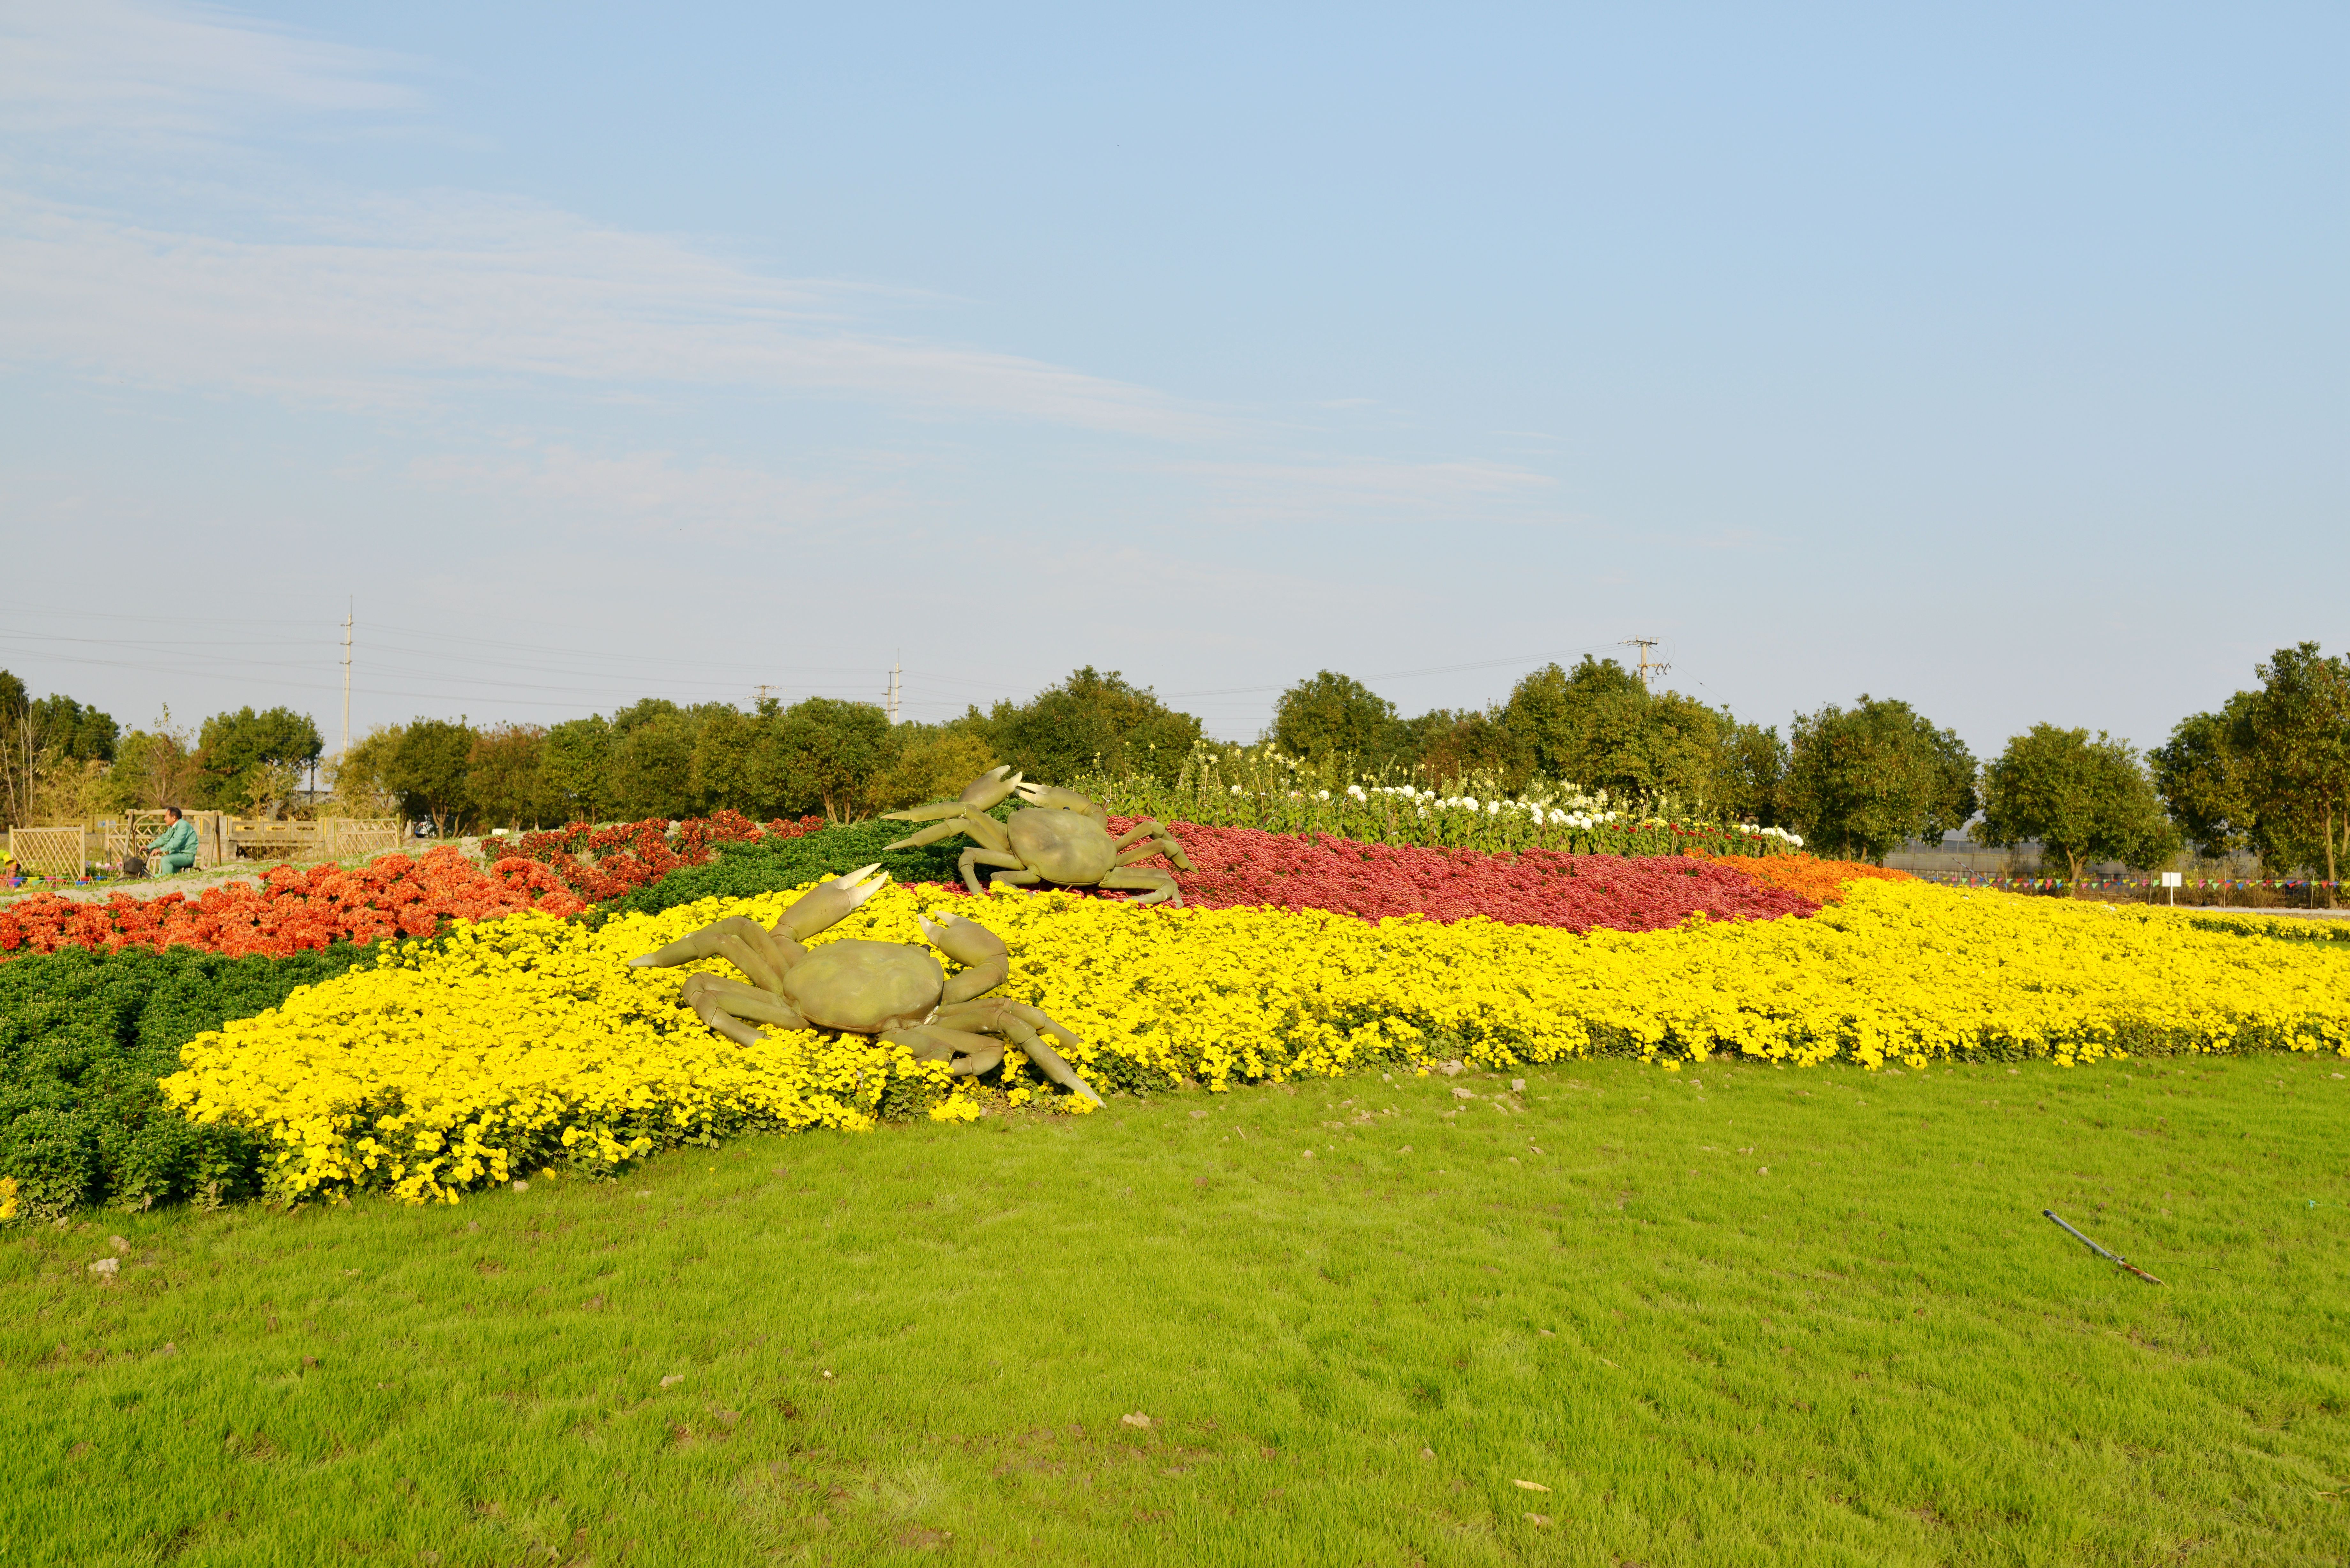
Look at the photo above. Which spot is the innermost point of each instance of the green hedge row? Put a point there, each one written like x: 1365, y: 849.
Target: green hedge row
x: 769, y: 865
x: 84, y: 1039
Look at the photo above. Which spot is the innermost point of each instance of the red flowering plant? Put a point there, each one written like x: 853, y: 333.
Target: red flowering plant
x: 1243, y: 866
x: 293, y: 908
x: 599, y: 863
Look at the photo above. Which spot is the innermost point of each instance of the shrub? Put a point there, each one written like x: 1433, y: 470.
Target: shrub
x: 84, y: 1038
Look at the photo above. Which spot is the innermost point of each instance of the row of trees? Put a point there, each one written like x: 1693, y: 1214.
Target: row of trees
x: 844, y: 760
x: 61, y: 759
x: 2269, y: 773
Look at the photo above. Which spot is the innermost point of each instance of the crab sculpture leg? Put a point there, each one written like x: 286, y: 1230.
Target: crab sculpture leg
x: 729, y: 1006
x: 970, y: 1029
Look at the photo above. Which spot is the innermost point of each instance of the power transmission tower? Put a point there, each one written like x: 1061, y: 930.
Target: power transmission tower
x: 348, y: 606
x: 895, y: 688
x: 763, y: 692
x: 1647, y: 664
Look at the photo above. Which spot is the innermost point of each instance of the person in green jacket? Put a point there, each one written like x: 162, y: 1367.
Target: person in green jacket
x: 174, y: 848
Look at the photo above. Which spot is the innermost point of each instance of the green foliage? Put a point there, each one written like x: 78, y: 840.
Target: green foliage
x: 233, y: 748
x: 1751, y: 769
x: 1467, y: 744
x: 72, y: 731
x: 1601, y: 728
x: 768, y: 866
x: 649, y: 771
x: 2294, y: 736
x: 1862, y: 781
x: 501, y: 775
x: 360, y: 776
x: 1263, y: 787
x: 933, y: 763
x: 1092, y: 722
x: 2203, y: 775
x: 1335, y: 716
x: 42, y: 739
x: 426, y: 769
x: 734, y: 762
x: 571, y: 772
x: 828, y: 756
x: 2083, y: 800
x: 84, y: 1038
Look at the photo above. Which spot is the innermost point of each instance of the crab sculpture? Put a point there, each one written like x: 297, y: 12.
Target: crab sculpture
x: 1064, y: 840
x: 894, y: 991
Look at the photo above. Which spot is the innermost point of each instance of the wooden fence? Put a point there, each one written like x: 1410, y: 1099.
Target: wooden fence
x: 59, y: 852
x: 328, y: 839
x: 220, y: 840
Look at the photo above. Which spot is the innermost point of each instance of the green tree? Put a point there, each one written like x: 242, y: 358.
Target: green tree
x: 501, y: 774
x: 427, y: 770
x: 45, y: 742
x: 1598, y: 727
x: 736, y: 764
x: 2295, y: 736
x: 2083, y: 800
x: 1861, y: 781
x: 1751, y: 765
x: 571, y: 771
x: 1474, y: 744
x: 1091, y: 721
x: 360, y: 776
x: 649, y: 772
x: 933, y: 762
x: 1333, y: 715
x: 233, y: 747
x: 72, y: 731
x: 830, y: 756
x: 2203, y: 777
x: 152, y: 768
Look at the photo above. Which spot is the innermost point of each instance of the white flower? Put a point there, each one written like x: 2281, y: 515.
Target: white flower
x: 1356, y: 791
x: 1324, y: 795
x: 1236, y: 789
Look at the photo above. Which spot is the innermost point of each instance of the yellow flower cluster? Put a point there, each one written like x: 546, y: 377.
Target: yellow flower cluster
x: 448, y: 1064
x: 7, y: 1198
x: 508, y: 1046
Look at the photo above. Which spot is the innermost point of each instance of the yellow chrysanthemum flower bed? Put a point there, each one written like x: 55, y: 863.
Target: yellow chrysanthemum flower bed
x: 512, y: 1044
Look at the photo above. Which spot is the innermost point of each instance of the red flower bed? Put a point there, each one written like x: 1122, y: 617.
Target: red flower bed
x: 1243, y: 866
x: 632, y: 854
x: 293, y: 908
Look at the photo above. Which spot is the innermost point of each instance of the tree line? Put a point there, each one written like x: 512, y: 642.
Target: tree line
x: 2269, y: 773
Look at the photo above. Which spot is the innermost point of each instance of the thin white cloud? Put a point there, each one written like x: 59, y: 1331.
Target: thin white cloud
x: 379, y: 302
x: 416, y: 298
x: 119, y: 67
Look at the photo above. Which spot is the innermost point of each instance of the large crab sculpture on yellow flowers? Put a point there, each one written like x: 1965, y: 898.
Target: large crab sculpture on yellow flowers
x: 1064, y: 840
x: 895, y: 991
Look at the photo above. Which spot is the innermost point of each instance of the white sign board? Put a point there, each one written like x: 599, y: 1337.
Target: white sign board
x: 2171, y: 879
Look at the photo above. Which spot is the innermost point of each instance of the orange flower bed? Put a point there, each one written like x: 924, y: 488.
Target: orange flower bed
x: 291, y: 909
x: 1822, y: 881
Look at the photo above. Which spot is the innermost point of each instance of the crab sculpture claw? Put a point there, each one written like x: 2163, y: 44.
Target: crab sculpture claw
x: 829, y: 903
x: 982, y: 795
x: 1053, y: 797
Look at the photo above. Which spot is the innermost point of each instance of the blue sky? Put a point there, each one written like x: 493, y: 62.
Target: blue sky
x: 1994, y: 361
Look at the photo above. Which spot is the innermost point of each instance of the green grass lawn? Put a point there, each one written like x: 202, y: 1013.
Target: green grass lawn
x: 1733, y: 1314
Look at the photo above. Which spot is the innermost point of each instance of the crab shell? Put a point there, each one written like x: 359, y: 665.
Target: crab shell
x: 1064, y: 847
x: 863, y: 987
